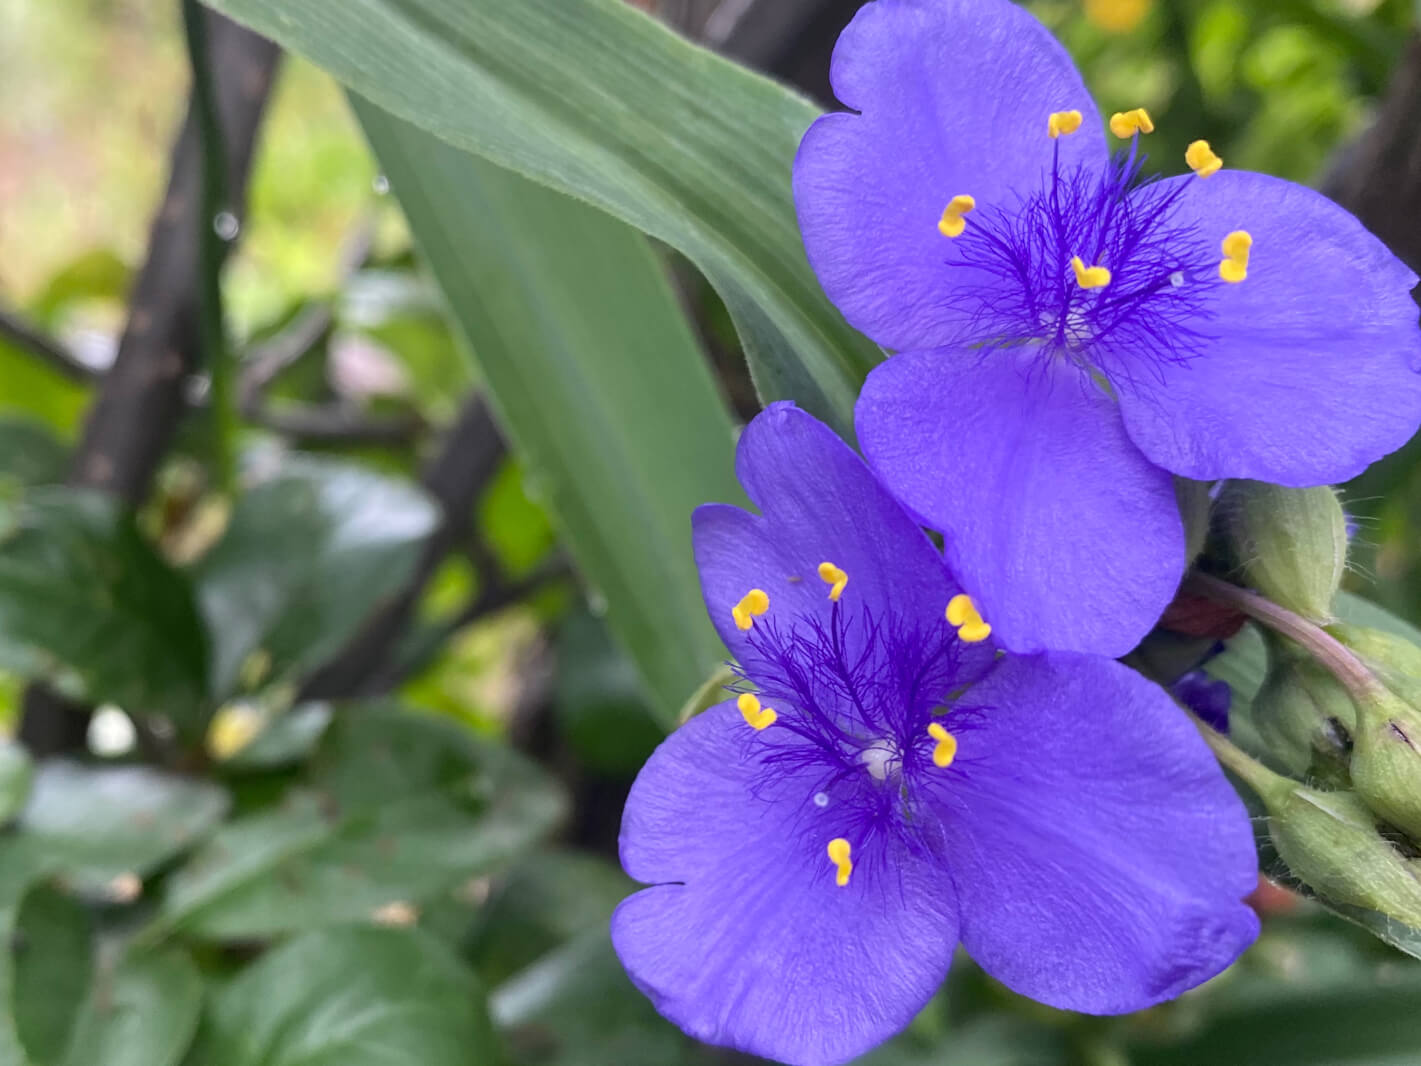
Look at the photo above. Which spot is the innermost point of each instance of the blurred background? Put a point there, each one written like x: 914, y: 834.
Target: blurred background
x: 388, y: 548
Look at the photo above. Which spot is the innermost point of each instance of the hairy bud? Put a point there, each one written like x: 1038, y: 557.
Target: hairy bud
x: 1304, y: 714
x: 1289, y: 544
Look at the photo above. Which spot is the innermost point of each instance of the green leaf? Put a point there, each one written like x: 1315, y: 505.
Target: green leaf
x: 598, y: 701
x: 576, y: 1007
x: 307, y: 556
x: 603, y: 103
x: 546, y: 900
x: 97, y: 274
x: 53, y: 965
x: 410, y: 807
x: 596, y: 377
x: 22, y: 865
x: 142, y: 1010
x: 99, y: 823
x: 351, y: 997
x: 87, y: 603
x: 31, y: 388
x: 30, y: 454
x: 16, y: 773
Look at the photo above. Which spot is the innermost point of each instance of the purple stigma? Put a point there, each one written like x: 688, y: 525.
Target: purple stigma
x: 855, y: 696
x: 1161, y: 270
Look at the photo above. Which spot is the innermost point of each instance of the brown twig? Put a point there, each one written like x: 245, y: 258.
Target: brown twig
x: 141, y: 399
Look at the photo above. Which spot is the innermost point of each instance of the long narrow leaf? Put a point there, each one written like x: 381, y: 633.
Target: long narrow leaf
x: 595, y: 374
x: 601, y: 102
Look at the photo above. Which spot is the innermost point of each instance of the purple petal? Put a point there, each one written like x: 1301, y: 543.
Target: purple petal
x: 746, y: 940
x: 1313, y: 372
x: 1100, y: 856
x: 1063, y: 532
x: 820, y: 503
x: 954, y: 98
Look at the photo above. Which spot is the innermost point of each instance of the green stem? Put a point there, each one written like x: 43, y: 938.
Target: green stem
x: 1271, y: 787
x: 212, y: 247
x: 1361, y: 684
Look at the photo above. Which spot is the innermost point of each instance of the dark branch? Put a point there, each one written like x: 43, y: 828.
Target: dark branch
x: 28, y: 338
x: 141, y: 400
x: 466, y: 462
x: 142, y: 397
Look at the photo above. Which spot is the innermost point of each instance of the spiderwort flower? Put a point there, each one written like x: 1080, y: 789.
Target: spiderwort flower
x: 1068, y: 335
x: 818, y: 846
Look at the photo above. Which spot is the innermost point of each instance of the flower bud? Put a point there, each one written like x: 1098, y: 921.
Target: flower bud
x: 1330, y: 842
x: 1289, y: 544
x: 1303, y: 714
x: 1394, y: 659
x: 1386, y: 759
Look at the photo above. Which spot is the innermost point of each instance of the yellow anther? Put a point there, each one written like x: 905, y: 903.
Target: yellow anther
x: 946, y: 749
x: 1096, y: 277
x: 756, y: 716
x: 1128, y: 123
x: 963, y: 613
x: 1061, y: 123
x: 1234, y: 267
x: 839, y: 855
x: 952, y: 223
x: 1202, y: 159
x: 753, y: 604
x: 835, y: 578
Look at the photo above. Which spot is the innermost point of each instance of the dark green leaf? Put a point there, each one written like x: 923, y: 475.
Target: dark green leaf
x: 410, y: 807
x: 85, y: 601
x: 351, y: 997
x: 607, y: 105
x: 307, y: 556
x: 546, y: 900
x: 143, y: 1010
x: 576, y: 1007
x: 30, y: 454
x: 102, y: 823
x: 22, y: 865
x: 596, y: 377
x: 53, y: 967
x: 601, y: 711
x: 16, y: 773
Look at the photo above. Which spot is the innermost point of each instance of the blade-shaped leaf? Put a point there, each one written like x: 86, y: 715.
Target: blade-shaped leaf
x: 351, y: 997
x: 601, y: 102
x: 86, y: 601
x: 595, y: 375
x: 308, y: 555
x: 22, y: 865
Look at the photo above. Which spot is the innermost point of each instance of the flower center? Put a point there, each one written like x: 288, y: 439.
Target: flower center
x: 1097, y: 265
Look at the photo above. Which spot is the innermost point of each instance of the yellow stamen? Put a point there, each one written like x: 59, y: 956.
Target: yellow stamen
x: 1234, y: 267
x: 839, y: 855
x: 831, y: 575
x: 952, y: 223
x: 963, y: 613
x: 754, y: 603
x: 946, y: 749
x: 756, y: 716
x: 1125, y: 124
x: 1096, y: 277
x: 1202, y: 159
x: 1060, y: 123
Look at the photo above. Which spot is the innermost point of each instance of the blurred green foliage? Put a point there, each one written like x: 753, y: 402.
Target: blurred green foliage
x: 397, y: 860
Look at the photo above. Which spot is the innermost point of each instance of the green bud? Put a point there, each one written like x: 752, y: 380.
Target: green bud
x: 1289, y: 544
x: 1386, y: 759
x: 1303, y: 714
x: 1392, y: 658
x: 1195, y: 506
x: 1330, y: 842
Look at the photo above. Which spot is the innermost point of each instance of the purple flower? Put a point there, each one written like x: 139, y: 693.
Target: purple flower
x: 1069, y: 335
x: 1211, y: 700
x: 894, y: 786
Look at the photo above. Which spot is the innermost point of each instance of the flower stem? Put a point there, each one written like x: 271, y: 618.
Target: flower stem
x: 1361, y: 684
x: 1271, y: 787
